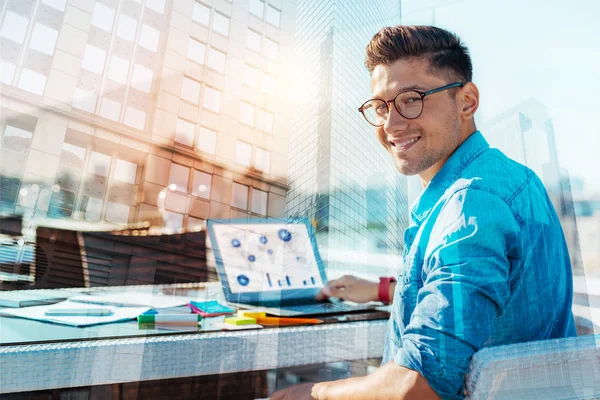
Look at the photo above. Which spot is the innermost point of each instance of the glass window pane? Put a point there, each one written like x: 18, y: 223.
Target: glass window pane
x: 251, y: 76
x: 56, y: 4
x: 32, y: 81
x: 221, y: 24
x: 117, y: 213
x: 91, y: 208
x: 190, y: 90
x: 239, y: 196
x: 262, y: 160
x: 265, y: 121
x: 156, y: 5
x: 72, y: 156
x: 7, y: 72
x: 99, y: 164
x: 14, y: 27
x: 125, y: 171
x: 257, y: 8
x: 172, y: 222
x: 118, y: 69
x: 259, y: 202
x: 135, y: 118
x: 196, y: 51
x: 247, y: 113
x: 271, y: 49
x: 141, y: 78
x: 195, y: 224
x: 201, y: 14
x: 212, y: 99
x: 178, y: 178
x: 149, y: 38
x: 216, y: 60
x: 43, y: 39
x: 243, y: 153
x: 273, y: 16
x: 93, y: 59
x: 126, y: 27
x: 110, y: 109
x: 84, y: 100
x: 184, y: 132
x: 253, y: 40
x: 207, y: 140
x: 103, y: 17
x: 202, y: 183
x: 16, y: 139
x: 267, y: 84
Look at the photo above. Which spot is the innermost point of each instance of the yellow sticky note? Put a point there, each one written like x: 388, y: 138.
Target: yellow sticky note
x: 251, y: 314
x: 240, y: 320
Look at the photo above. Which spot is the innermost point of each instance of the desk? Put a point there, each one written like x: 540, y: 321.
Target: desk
x: 63, y: 357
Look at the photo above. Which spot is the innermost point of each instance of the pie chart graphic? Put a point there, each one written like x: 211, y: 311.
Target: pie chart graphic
x: 263, y: 239
x: 284, y: 235
x: 236, y: 243
x: 243, y: 280
x: 251, y: 258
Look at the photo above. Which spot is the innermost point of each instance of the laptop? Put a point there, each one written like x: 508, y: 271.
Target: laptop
x: 273, y: 266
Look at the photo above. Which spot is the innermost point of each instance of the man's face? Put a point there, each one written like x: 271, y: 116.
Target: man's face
x: 422, y: 145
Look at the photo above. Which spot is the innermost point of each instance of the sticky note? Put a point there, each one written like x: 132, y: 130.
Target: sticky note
x: 251, y: 314
x: 240, y: 320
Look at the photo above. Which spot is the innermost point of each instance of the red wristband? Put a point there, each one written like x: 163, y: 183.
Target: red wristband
x: 384, y: 289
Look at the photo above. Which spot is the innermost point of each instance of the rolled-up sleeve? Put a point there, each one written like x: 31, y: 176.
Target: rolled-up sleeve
x: 466, y: 284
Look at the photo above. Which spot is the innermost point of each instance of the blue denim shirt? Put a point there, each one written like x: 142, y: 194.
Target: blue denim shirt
x: 485, y: 264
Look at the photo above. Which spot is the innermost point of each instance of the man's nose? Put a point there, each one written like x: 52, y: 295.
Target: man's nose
x: 395, y: 121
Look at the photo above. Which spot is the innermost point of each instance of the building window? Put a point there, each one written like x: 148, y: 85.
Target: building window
x: 93, y: 59
x: 43, y: 39
x: 149, y: 38
x: 267, y: 84
x: 190, y: 90
x: 264, y: 121
x: 212, y: 99
x: 259, y: 202
x: 85, y: 100
x: 273, y: 16
x: 257, y: 8
x: 196, y: 51
x: 207, y: 140
x: 251, y: 76
x: 141, y: 78
x: 32, y: 81
x: 253, y: 40
x: 91, y: 208
x: 271, y: 49
x: 117, y: 213
x: 110, y: 109
x: 103, y: 17
x: 172, y: 222
x: 178, y: 178
x: 118, y: 69
x: 195, y: 224
x: 202, y: 183
x: 239, y: 196
x: 220, y: 24
x: 201, y: 14
x: 7, y: 72
x: 125, y: 171
x: 243, y: 153
x: 262, y: 160
x: 156, y: 5
x: 14, y: 27
x: 99, y: 164
x: 56, y: 4
x: 135, y: 118
x: 247, y: 113
x: 126, y: 27
x: 184, y: 132
x: 216, y: 60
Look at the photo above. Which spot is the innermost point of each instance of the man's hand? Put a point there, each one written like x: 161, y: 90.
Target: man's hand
x: 350, y: 288
x: 296, y: 392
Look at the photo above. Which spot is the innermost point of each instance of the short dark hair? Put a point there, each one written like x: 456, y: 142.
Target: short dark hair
x: 446, y: 54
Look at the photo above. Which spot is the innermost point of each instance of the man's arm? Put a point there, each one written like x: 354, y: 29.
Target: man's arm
x: 388, y: 382
x: 355, y: 289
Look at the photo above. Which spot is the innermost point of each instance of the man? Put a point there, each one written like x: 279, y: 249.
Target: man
x: 485, y: 262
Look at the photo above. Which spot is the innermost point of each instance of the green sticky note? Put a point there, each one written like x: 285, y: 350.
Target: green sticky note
x: 240, y: 320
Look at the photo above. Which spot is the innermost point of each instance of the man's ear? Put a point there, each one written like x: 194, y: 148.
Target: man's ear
x: 469, y: 99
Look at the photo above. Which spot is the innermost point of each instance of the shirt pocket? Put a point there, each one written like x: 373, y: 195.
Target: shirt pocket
x: 402, y: 307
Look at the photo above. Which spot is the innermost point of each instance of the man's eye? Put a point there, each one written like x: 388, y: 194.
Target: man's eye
x: 412, y: 99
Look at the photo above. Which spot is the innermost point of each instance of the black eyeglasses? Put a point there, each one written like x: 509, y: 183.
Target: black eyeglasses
x: 408, y: 103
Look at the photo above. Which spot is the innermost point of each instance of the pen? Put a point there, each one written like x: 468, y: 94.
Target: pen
x: 179, y: 319
x: 270, y: 321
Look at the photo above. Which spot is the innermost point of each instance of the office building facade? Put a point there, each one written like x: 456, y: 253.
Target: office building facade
x: 339, y: 175
x: 120, y: 111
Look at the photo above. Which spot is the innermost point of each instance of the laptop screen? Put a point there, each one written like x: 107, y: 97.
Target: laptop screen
x: 262, y: 257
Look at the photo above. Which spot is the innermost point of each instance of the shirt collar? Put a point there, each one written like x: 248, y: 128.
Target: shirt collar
x: 450, y: 172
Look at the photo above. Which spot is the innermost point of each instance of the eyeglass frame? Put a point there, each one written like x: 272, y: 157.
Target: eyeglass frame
x: 420, y: 93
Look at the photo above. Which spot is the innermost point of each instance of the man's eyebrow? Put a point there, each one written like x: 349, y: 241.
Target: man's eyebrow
x: 404, y: 89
